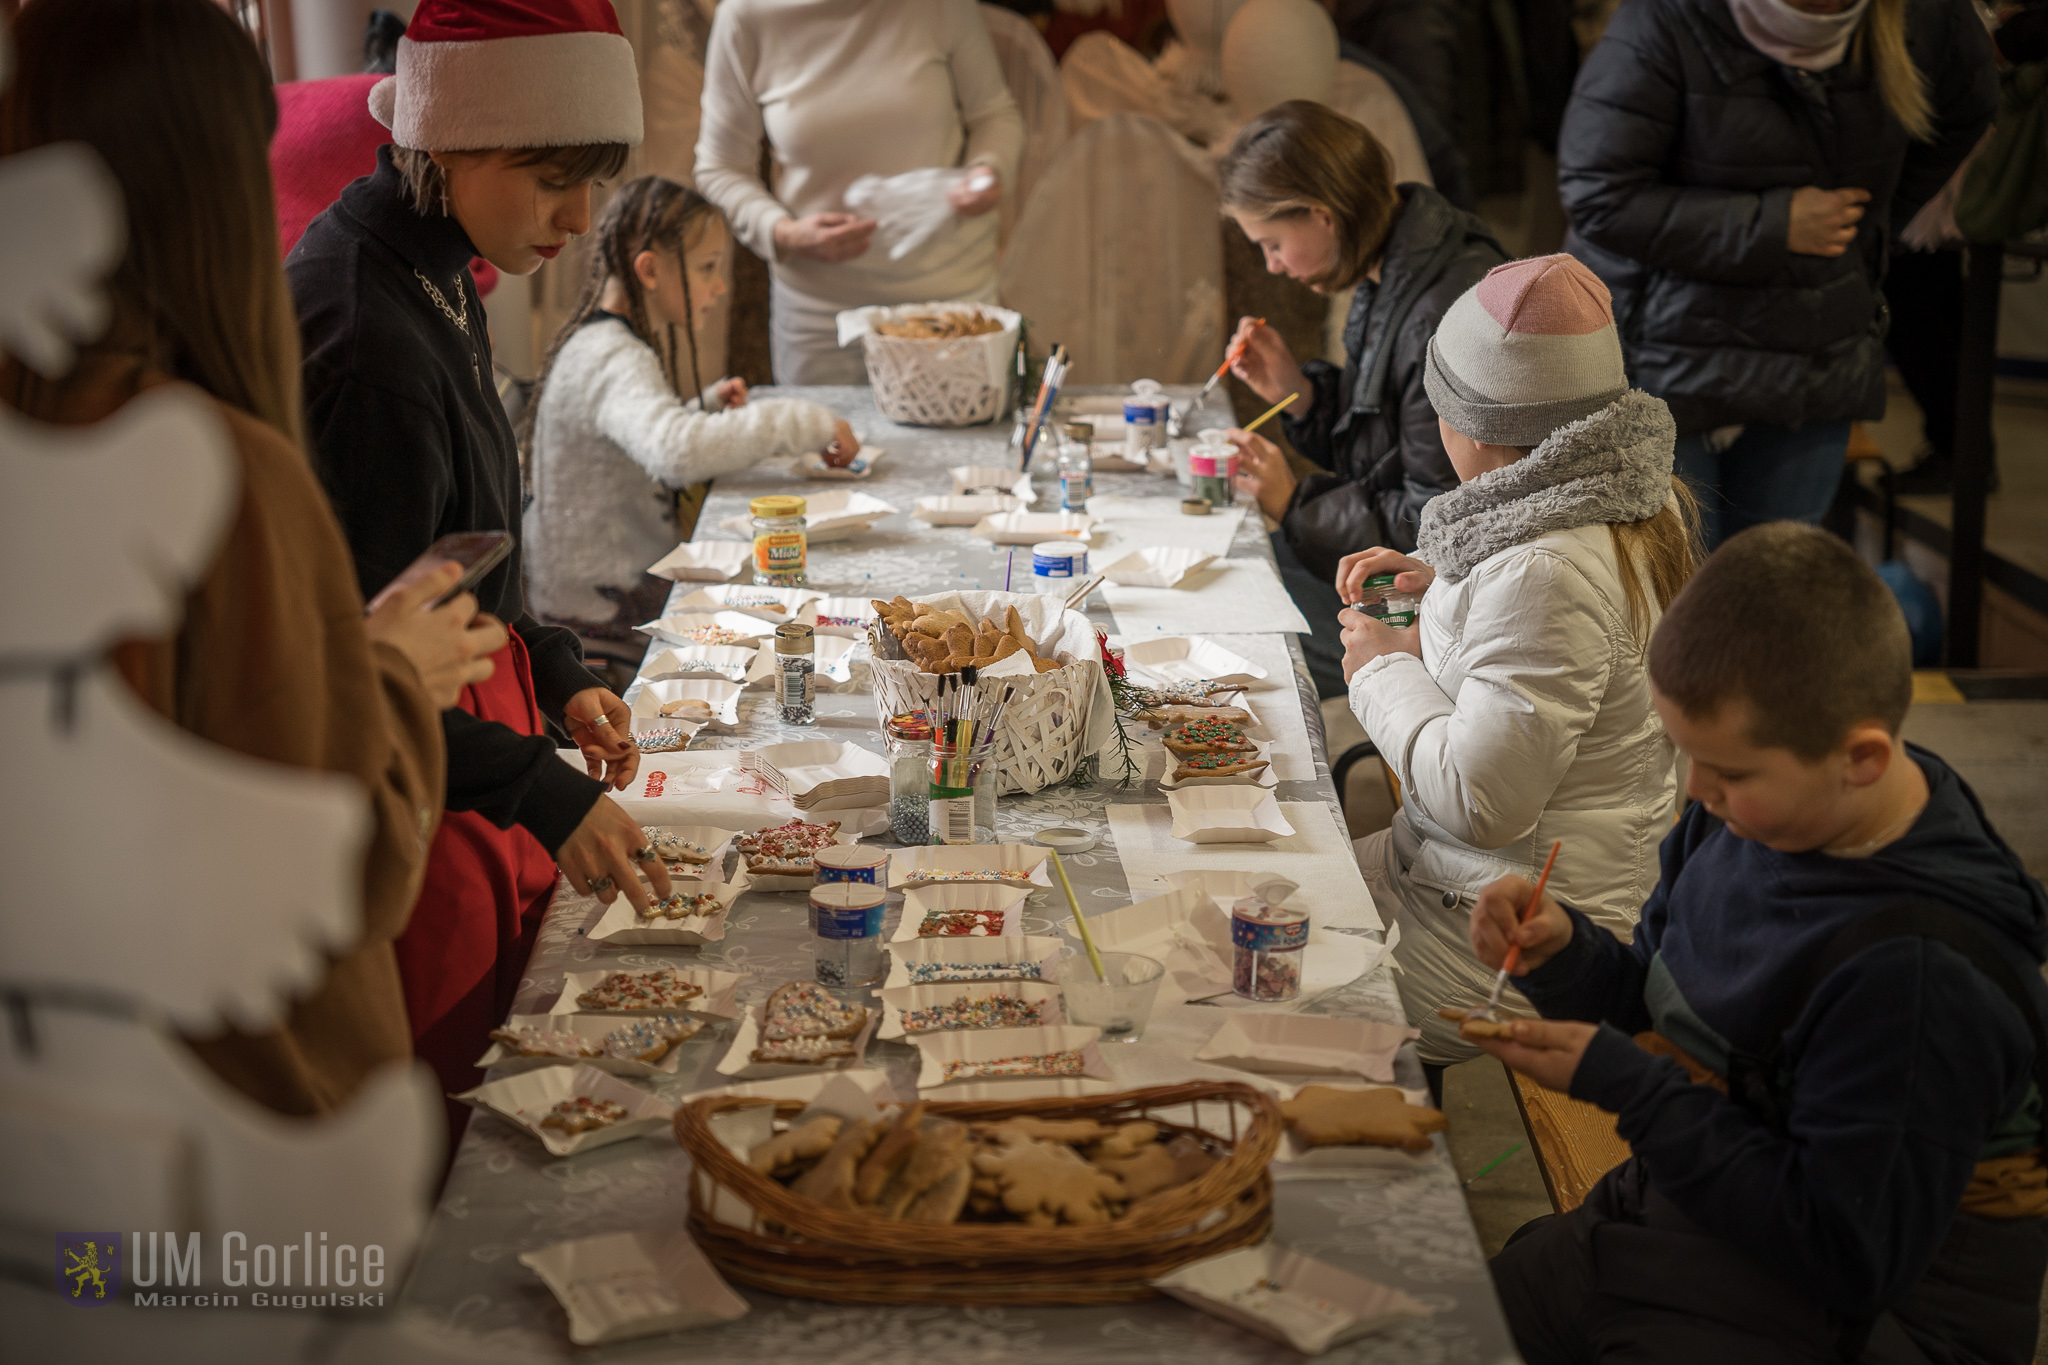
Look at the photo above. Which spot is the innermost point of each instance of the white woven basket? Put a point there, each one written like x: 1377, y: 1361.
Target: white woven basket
x: 1055, y: 720
x: 953, y: 383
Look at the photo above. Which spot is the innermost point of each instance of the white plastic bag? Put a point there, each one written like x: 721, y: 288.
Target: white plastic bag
x: 908, y: 209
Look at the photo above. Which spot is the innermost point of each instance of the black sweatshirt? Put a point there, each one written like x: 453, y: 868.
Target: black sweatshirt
x: 410, y: 439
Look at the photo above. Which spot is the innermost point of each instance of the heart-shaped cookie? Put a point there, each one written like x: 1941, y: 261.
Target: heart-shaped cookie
x: 804, y: 1009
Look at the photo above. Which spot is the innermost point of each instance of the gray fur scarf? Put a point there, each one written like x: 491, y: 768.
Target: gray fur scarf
x: 1612, y: 466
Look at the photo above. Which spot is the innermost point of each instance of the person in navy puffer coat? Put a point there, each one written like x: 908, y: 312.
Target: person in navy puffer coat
x: 1734, y: 170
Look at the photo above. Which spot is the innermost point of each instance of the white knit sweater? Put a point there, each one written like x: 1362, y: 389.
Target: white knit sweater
x: 610, y: 444
x: 846, y: 88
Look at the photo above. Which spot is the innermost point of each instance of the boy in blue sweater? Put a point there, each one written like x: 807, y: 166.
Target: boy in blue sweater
x: 1823, y: 1045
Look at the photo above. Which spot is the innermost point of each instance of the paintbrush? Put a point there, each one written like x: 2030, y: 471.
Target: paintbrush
x: 1514, y: 957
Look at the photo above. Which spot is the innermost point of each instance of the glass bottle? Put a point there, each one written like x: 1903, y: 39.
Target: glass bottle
x: 1077, y: 467
x: 780, y: 543
x: 910, y: 776
x: 797, y: 673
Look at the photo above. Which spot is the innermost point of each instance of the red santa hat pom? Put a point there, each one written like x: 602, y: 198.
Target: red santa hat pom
x: 479, y: 74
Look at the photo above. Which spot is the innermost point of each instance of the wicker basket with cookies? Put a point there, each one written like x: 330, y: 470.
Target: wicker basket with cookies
x: 936, y: 364
x: 1067, y: 1200
x: 1060, y: 711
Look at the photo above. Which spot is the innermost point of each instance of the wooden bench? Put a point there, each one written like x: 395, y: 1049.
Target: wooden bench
x: 1575, y: 1143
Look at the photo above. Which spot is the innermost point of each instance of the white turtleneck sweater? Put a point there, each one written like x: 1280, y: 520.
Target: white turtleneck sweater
x: 611, y: 443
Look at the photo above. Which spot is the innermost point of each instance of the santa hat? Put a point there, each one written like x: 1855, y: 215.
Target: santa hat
x: 1530, y: 348
x: 479, y: 74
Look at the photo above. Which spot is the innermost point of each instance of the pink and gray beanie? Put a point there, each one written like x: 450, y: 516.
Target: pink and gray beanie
x: 1526, y: 350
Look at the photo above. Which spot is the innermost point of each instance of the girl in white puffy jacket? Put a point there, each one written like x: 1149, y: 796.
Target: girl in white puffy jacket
x: 1516, y: 711
x: 612, y: 439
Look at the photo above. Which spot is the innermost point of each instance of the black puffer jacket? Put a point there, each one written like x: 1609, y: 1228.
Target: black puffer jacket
x: 1370, y: 425
x: 1680, y: 153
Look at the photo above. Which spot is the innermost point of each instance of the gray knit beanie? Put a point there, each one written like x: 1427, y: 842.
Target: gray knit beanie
x: 1525, y: 351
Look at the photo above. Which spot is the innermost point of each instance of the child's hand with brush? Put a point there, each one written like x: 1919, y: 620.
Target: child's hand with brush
x: 1546, y: 1051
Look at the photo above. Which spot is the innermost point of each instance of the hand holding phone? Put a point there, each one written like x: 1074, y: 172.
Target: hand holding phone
x: 475, y: 552
x: 450, y: 645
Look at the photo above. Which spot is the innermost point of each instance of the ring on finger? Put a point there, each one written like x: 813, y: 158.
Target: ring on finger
x: 598, y: 884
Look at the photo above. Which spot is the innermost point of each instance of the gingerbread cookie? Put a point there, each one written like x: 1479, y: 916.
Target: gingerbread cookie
x: 1324, y: 1116
x: 880, y: 1165
x: 1158, y: 1166
x: 939, y: 1157
x: 830, y: 1182
x: 1217, y: 765
x: 581, y: 1114
x: 655, y: 990
x: 1046, y: 1183
x: 786, y: 1151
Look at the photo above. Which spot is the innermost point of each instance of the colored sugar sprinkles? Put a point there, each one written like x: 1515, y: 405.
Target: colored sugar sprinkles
x: 982, y: 1011
x: 1067, y: 1063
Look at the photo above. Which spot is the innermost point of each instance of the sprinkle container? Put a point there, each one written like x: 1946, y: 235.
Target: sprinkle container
x: 1266, y: 945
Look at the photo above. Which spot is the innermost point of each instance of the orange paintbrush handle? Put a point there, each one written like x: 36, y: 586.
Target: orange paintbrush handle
x: 1514, y: 957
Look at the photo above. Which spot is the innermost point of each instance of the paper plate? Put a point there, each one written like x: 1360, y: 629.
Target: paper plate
x: 623, y: 925
x: 962, y: 509
x: 920, y: 902
x: 720, y: 992
x: 769, y: 604
x: 1156, y: 566
x: 721, y: 695
x: 1264, y: 777
x: 703, y: 561
x: 675, y: 629
x: 813, y: 466
x: 991, y: 864
x: 1028, y: 528
x: 1307, y: 1045
x: 847, y: 616
x: 1227, y: 815
x: 1294, y: 1299
x: 739, y: 1063
x: 993, y: 478
x: 1029, y: 958
x: 1147, y: 926
x: 1181, y: 659
x: 593, y: 1027
x: 898, y: 1003
x: 525, y: 1099
x: 969, y: 1047
x: 728, y: 663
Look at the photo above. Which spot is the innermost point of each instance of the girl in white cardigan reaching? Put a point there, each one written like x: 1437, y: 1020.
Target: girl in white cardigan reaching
x: 1516, y: 711
x: 612, y: 439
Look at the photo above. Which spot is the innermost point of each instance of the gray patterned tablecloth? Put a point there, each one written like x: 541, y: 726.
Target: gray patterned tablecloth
x: 506, y: 1195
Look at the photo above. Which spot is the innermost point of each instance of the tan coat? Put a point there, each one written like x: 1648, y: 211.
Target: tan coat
x: 272, y: 661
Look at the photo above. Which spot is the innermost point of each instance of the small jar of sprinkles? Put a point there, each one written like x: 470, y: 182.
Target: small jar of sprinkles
x: 781, y: 546
x: 862, y: 863
x: 910, y: 777
x: 1266, y: 944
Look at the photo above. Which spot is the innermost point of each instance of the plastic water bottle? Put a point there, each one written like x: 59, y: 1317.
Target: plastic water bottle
x: 1077, y: 467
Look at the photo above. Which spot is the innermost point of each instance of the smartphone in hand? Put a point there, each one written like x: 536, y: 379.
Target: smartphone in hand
x: 478, y: 552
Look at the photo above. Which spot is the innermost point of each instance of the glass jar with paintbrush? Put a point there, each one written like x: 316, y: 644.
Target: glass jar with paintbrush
x: 962, y: 794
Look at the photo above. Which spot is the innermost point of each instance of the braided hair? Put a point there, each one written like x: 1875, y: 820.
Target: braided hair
x: 652, y: 213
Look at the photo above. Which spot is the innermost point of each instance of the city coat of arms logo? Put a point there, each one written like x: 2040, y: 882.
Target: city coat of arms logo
x: 88, y: 1267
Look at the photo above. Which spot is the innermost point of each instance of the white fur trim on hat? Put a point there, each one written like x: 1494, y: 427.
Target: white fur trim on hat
x: 544, y: 90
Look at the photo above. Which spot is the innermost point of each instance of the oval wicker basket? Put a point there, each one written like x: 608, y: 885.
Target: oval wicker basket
x: 849, y: 1257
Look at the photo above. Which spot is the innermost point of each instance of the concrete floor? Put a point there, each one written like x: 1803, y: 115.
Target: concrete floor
x: 2001, y: 750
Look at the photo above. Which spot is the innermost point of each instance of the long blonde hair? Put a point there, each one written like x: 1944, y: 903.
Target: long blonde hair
x: 1661, y: 551
x: 1899, y: 81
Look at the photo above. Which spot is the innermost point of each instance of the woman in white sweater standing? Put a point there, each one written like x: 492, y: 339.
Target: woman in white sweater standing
x: 1516, y: 711
x: 612, y: 439
x: 841, y: 89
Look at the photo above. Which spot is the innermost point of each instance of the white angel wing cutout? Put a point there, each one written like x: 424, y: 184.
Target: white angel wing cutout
x: 147, y: 863
x: 124, y: 1128
x: 105, y: 528
x: 60, y: 216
